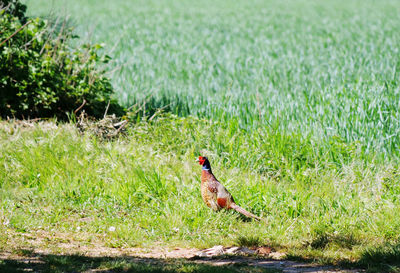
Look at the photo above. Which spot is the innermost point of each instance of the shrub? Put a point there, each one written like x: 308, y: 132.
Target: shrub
x: 42, y: 76
x: 15, y: 8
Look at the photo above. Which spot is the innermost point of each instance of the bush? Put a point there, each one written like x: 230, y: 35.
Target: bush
x: 42, y: 76
x: 15, y: 8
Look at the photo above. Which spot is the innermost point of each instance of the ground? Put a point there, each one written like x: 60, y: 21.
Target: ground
x: 61, y: 252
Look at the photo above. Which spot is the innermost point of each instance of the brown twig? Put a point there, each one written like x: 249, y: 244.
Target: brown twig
x: 15, y: 33
x: 80, y: 107
x: 158, y: 111
x: 120, y: 128
x: 105, y: 113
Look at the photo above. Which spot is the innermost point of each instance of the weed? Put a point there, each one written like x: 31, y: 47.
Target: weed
x: 23, y: 251
x: 387, y: 253
x: 248, y: 241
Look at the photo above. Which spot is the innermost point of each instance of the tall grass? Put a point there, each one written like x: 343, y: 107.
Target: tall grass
x: 301, y: 107
x: 146, y: 185
x: 317, y: 68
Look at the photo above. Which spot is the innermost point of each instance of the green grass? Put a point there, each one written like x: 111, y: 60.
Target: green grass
x: 296, y: 103
x: 326, y: 203
x: 316, y: 68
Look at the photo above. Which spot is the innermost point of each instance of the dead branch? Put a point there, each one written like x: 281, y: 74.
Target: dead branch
x: 15, y: 33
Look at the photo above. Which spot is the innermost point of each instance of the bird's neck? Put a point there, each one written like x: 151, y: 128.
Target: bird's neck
x: 207, y: 167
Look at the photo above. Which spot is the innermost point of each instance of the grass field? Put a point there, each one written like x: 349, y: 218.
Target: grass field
x: 296, y: 103
x: 319, y: 68
x: 331, y: 207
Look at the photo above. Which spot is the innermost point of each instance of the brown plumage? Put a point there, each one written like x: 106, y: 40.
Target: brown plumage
x: 214, y: 194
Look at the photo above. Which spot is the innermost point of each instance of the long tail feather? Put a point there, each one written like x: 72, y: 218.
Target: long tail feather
x: 244, y: 212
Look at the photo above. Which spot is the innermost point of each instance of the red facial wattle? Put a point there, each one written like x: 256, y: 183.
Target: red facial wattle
x: 201, y: 160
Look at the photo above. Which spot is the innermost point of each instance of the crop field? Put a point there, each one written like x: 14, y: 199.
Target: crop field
x: 296, y: 103
x: 324, y: 69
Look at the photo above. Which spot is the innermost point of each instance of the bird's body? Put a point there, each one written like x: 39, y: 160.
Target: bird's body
x: 214, y: 194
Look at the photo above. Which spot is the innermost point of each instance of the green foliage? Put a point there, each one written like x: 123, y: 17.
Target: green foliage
x: 15, y: 8
x: 42, y: 76
x: 248, y: 241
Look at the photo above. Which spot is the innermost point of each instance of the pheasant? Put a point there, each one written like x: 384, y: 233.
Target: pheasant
x: 214, y: 194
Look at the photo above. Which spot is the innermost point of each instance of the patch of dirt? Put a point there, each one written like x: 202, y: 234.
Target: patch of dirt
x: 48, y: 243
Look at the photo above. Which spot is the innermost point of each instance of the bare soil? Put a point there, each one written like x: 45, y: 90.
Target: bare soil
x: 29, y: 248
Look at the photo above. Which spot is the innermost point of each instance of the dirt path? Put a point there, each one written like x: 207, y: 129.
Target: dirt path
x: 191, y: 254
x: 34, y: 248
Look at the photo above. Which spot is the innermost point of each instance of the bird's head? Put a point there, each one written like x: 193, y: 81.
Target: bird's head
x: 203, y: 161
